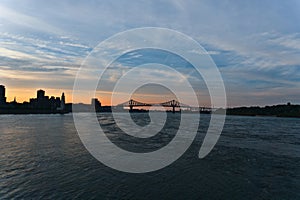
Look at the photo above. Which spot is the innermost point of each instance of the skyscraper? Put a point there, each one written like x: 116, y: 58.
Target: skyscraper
x: 40, y: 94
x: 2, y: 95
x: 96, y: 104
x: 63, y: 101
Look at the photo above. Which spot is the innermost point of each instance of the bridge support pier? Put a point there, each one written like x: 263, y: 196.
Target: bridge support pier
x: 173, y: 109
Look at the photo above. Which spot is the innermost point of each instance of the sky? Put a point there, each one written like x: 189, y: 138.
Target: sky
x: 255, y: 44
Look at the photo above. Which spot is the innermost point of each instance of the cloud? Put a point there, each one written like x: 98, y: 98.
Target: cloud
x: 20, y: 19
x: 19, y: 50
x: 205, y: 53
x: 290, y: 41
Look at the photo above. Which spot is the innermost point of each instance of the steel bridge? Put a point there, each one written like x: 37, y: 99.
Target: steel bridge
x: 172, y: 104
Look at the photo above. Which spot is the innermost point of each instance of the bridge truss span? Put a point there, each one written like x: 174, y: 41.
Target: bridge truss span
x: 172, y: 104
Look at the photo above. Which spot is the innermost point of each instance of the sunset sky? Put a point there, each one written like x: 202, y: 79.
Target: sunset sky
x: 255, y: 44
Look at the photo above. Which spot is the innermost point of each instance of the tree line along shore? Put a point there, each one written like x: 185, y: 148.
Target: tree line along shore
x: 285, y: 110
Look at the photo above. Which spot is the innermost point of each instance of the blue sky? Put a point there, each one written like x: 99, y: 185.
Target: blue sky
x: 255, y: 44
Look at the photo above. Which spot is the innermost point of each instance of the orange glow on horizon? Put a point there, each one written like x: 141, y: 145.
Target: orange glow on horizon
x: 25, y: 94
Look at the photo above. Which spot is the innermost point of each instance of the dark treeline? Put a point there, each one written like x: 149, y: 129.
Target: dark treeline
x: 287, y: 110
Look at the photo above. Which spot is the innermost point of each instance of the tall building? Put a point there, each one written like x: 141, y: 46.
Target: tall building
x: 40, y: 94
x: 63, y: 101
x: 43, y: 102
x: 96, y: 104
x: 2, y: 95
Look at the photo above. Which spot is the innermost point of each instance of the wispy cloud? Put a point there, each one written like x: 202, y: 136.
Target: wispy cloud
x: 33, y: 52
x: 20, y: 19
x: 290, y: 41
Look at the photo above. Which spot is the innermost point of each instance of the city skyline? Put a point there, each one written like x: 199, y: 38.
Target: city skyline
x: 21, y: 99
x: 255, y: 45
x: 40, y: 94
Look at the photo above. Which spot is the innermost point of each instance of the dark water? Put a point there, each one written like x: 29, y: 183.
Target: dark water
x: 256, y: 158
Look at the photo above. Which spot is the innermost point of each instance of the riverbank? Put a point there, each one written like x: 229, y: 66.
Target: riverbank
x: 286, y: 110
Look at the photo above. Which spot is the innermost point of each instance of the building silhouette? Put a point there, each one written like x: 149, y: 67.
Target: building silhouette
x: 96, y: 104
x: 2, y: 95
x: 43, y: 102
x: 40, y: 94
x: 62, y: 102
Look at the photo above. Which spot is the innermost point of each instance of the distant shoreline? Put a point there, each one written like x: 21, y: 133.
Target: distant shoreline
x: 286, y: 110
x: 283, y: 110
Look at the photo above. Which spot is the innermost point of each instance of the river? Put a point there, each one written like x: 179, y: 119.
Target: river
x: 42, y: 157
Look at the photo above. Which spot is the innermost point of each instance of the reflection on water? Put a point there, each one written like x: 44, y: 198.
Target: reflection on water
x: 255, y: 158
